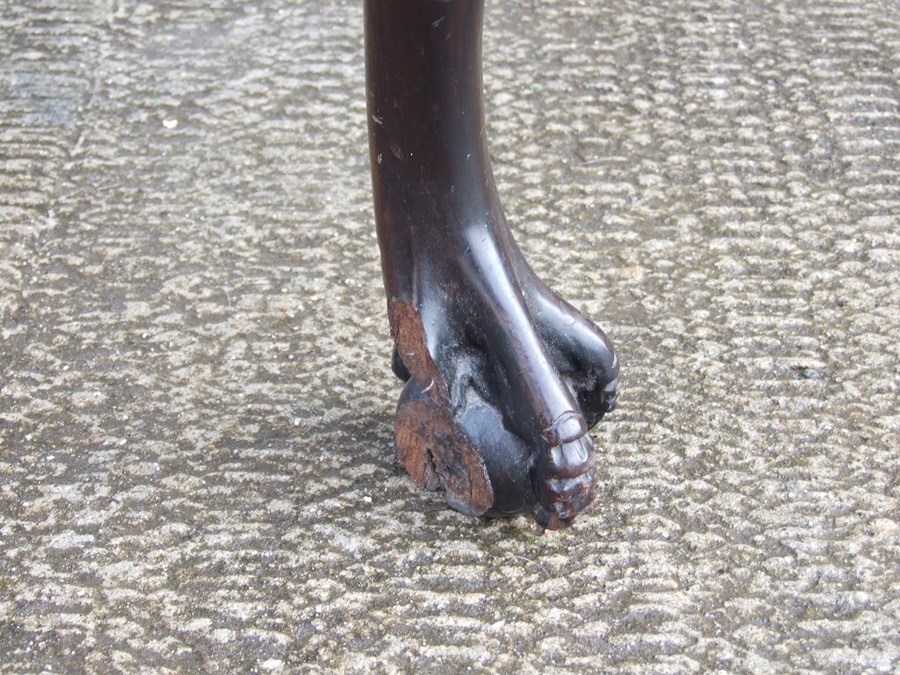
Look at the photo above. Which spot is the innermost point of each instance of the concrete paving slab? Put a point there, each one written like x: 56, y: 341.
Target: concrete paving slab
x: 196, y: 460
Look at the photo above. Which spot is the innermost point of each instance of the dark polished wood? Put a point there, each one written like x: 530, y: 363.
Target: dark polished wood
x: 503, y: 378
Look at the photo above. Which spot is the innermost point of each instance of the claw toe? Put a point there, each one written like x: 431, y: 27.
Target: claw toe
x: 564, y: 477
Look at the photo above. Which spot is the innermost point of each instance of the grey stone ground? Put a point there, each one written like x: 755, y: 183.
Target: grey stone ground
x: 196, y: 461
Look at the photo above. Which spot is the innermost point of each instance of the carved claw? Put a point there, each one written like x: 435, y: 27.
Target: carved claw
x: 564, y: 477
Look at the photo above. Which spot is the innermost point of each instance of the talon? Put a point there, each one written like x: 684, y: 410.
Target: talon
x: 567, y: 490
x: 550, y: 521
x: 572, y: 459
x: 564, y: 478
x: 611, y: 395
x: 566, y: 428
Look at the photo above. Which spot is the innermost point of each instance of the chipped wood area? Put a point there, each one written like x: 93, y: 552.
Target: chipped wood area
x: 433, y: 449
x: 408, y: 332
x: 436, y: 456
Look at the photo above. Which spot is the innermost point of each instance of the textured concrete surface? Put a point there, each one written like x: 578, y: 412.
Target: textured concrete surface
x: 196, y: 462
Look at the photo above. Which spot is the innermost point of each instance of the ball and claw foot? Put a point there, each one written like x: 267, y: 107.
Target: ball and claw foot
x: 459, y: 437
x: 504, y: 378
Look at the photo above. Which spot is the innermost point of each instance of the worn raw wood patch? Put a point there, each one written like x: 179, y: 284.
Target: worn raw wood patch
x: 435, y: 452
x: 408, y: 332
x: 437, y: 456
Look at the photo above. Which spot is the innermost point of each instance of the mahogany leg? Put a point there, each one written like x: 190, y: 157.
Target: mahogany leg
x: 504, y: 378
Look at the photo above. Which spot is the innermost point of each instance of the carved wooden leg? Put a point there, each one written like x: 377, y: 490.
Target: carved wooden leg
x: 503, y: 377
